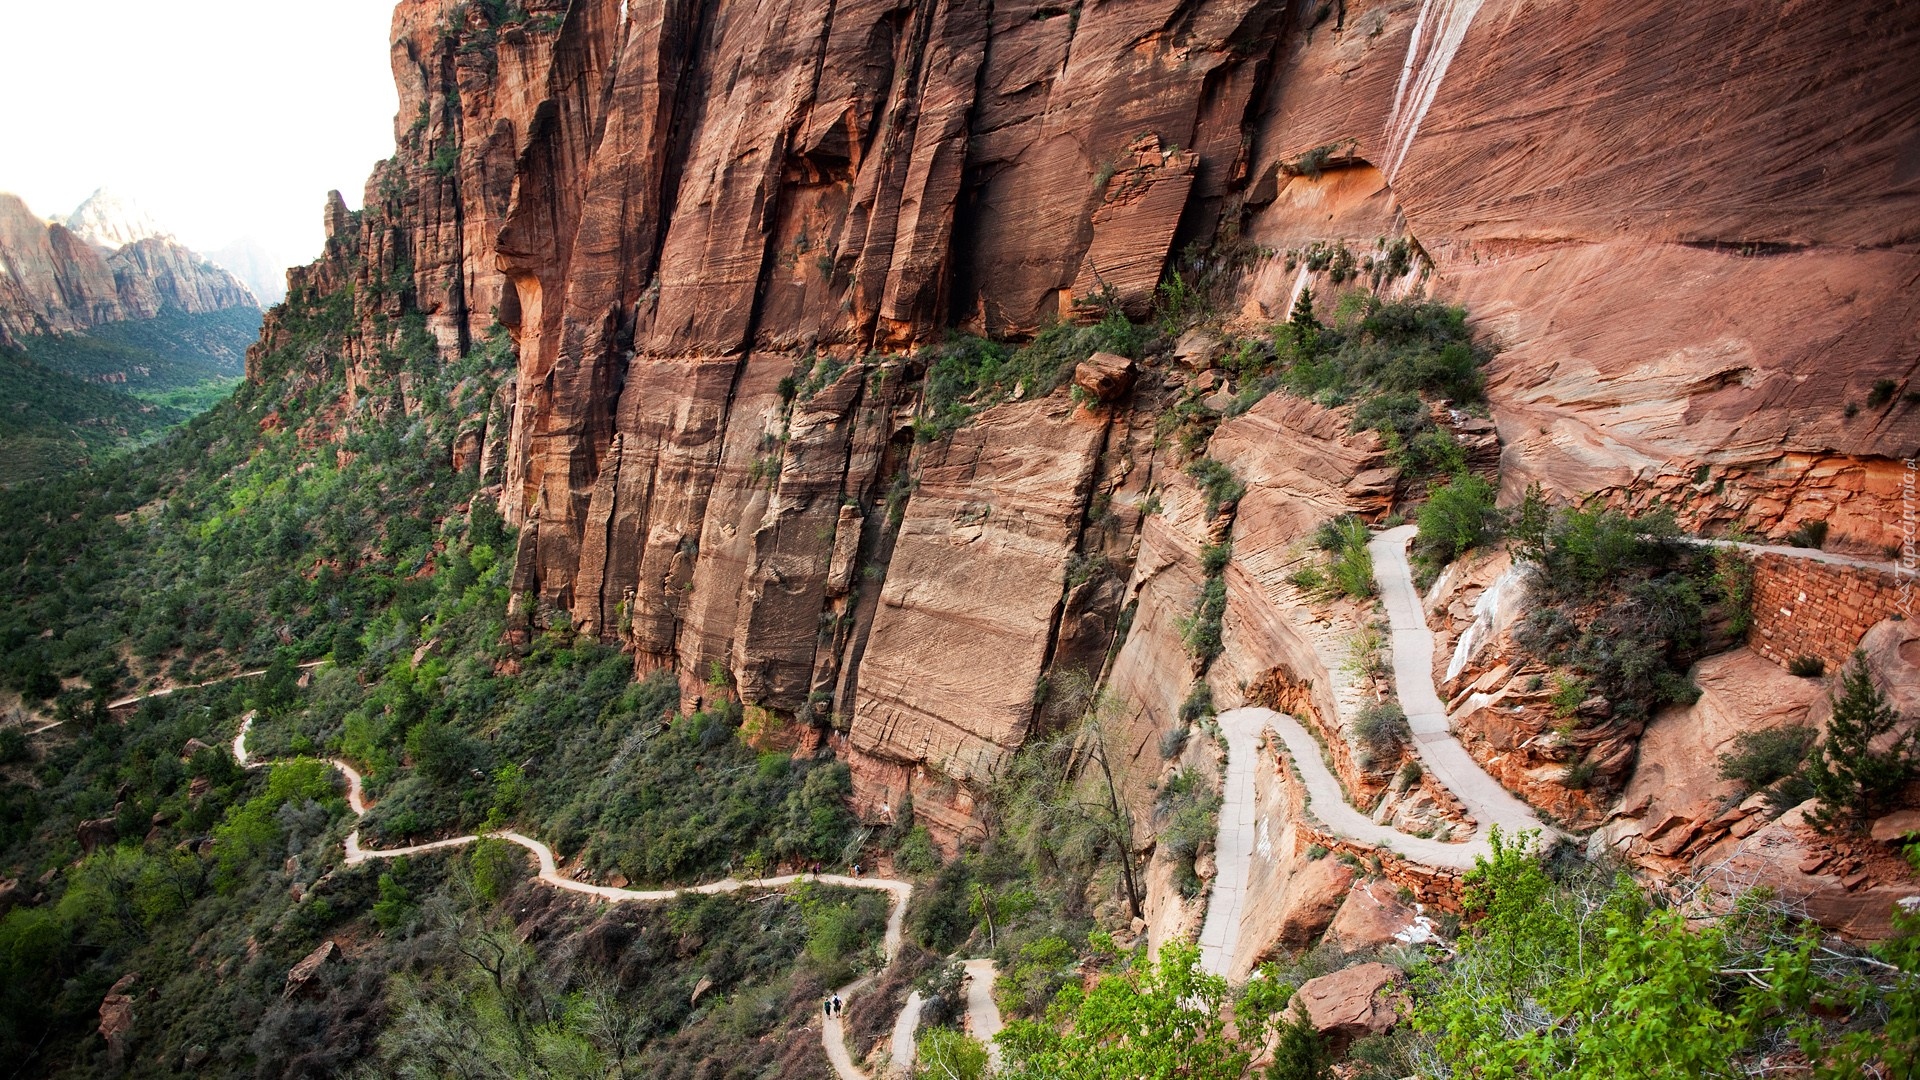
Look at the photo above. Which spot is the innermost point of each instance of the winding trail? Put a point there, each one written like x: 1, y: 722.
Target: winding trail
x: 983, y: 1013
x: 135, y: 699
x: 1412, y: 641
x: 832, y: 1033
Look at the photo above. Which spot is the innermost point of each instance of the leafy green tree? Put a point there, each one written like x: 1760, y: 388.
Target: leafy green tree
x: 947, y: 1054
x: 1149, y: 1021
x: 1853, y: 781
x: 1591, y: 983
x: 495, y: 865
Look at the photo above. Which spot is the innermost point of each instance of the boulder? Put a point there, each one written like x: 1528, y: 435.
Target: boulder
x: 304, y: 971
x: 96, y: 832
x: 1311, y: 898
x: 1353, y: 1003
x: 1107, y: 376
x: 116, y: 1016
x: 1895, y: 827
x: 1197, y: 348
x: 1372, y: 916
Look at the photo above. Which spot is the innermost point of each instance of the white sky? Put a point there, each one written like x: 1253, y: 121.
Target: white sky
x: 221, y: 118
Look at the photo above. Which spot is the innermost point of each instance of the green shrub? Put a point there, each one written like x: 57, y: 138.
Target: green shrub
x: 967, y: 374
x: 937, y: 919
x: 916, y: 854
x: 1625, y: 600
x: 1810, y: 534
x: 1580, y: 775
x: 1761, y: 758
x: 13, y: 746
x: 1577, y: 550
x: 1381, y: 729
x: 1807, y: 667
x: 1186, y: 821
x: 1201, y: 631
x: 949, y: 1054
x: 1567, y: 695
x: 1173, y: 740
x: 1348, y: 570
x: 1214, y: 558
x: 1301, y: 1052
x: 1457, y: 516
x: 1733, y: 581
x: 496, y: 866
x: 1217, y: 483
x: 1198, y: 704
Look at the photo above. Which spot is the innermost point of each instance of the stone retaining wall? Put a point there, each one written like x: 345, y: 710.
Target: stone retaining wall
x: 1803, y: 607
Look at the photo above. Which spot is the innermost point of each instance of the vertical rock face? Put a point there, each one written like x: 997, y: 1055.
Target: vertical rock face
x: 972, y: 596
x: 718, y: 234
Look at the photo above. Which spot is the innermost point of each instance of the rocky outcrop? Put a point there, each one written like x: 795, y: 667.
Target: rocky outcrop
x: 1679, y: 820
x: 1374, y: 916
x: 303, y: 972
x: 1676, y: 802
x: 1353, y: 1003
x: 54, y: 280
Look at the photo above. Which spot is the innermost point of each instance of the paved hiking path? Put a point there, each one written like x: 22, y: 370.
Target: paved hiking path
x: 983, y: 1014
x: 832, y: 1034
x: 1444, y: 757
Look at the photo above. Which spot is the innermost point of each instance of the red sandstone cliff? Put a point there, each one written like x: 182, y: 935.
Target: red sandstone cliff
x: 1691, y: 231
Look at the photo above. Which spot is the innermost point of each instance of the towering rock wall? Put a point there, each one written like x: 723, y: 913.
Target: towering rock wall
x: 718, y: 232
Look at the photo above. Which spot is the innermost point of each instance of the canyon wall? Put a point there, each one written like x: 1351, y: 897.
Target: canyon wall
x: 55, y: 281
x: 720, y: 235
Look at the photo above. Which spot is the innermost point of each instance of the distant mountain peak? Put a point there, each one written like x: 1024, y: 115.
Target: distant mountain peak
x: 112, y: 221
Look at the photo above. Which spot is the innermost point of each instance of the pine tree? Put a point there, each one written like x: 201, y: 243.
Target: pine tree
x: 1306, y: 328
x: 1852, y: 781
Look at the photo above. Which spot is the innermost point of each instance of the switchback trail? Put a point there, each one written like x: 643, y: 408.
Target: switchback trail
x: 832, y: 1035
x: 1441, y: 753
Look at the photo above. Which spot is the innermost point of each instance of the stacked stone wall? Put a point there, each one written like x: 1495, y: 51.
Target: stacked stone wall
x: 1804, y: 607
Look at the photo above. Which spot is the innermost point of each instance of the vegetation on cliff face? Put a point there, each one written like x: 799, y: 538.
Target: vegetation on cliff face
x: 281, y: 527
x: 1625, y: 609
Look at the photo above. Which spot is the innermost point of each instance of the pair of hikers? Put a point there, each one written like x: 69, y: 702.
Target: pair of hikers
x: 830, y: 1005
x: 857, y: 870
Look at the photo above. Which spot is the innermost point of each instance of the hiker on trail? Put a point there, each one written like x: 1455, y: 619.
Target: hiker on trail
x: 837, y: 1007
x: 826, y: 1007
x: 856, y: 869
